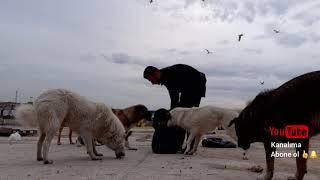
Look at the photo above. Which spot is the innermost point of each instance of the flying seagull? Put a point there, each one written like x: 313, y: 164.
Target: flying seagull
x: 276, y: 31
x: 208, y: 52
x: 239, y: 37
x: 104, y: 56
x: 262, y: 82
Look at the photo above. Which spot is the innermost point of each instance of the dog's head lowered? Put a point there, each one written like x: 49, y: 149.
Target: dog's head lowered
x: 117, y: 144
x: 142, y: 112
x: 112, y: 132
x: 249, y: 125
x: 161, y: 118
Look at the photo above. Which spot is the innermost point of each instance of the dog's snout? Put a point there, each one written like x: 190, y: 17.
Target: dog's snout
x: 120, y: 155
x: 148, y: 116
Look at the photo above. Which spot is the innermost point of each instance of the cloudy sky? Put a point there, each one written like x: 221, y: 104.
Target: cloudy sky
x: 100, y: 48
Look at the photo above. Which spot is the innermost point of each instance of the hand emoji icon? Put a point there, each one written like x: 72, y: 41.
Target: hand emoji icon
x: 305, y: 155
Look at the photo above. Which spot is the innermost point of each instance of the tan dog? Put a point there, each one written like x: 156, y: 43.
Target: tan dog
x: 88, y: 119
x: 130, y: 116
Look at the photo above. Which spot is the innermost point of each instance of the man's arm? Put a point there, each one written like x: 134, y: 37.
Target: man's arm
x: 174, y: 96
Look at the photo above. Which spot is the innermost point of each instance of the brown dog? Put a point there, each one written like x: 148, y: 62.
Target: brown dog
x: 129, y: 117
x: 293, y: 104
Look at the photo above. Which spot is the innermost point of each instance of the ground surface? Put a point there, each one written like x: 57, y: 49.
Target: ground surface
x: 18, y: 161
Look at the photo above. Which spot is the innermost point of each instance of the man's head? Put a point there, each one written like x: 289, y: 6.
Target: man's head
x: 153, y: 74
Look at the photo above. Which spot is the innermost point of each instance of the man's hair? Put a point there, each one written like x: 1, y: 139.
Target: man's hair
x: 148, y: 71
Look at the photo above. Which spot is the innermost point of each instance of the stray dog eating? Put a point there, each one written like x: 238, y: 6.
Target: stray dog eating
x: 90, y: 120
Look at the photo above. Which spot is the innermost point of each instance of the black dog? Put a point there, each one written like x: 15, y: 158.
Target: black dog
x: 166, y: 140
x: 297, y: 102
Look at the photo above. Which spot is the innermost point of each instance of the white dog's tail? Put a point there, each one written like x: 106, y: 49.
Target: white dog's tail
x: 27, y: 115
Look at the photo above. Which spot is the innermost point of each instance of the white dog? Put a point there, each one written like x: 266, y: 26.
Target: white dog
x: 89, y: 119
x: 198, y: 121
x: 14, y: 137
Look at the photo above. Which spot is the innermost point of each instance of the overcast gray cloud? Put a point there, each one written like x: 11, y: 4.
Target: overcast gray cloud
x: 292, y: 40
x: 308, y: 16
x: 252, y: 50
x: 228, y: 10
x: 100, y: 48
x: 174, y: 51
x: 315, y: 37
x: 224, y: 42
x: 120, y: 58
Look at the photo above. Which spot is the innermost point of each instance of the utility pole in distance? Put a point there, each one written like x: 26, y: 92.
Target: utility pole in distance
x: 16, y: 100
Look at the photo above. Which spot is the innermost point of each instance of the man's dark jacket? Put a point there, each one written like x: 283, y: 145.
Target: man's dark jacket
x: 191, y: 84
x: 184, y: 79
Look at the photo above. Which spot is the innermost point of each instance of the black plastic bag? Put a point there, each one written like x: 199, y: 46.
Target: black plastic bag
x: 212, y: 142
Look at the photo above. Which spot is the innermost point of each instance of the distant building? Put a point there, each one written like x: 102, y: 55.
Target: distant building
x: 7, y: 109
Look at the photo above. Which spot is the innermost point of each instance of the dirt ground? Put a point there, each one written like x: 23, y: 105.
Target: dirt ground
x: 18, y: 161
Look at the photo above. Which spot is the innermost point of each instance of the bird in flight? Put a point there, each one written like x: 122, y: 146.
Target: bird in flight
x: 262, y: 82
x: 208, y: 52
x: 276, y: 31
x: 151, y: 1
x: 239, y: 37
x: 104, y: 56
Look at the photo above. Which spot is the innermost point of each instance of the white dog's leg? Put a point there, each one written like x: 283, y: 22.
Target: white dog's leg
x: 189, y: 142
x: 195, y: 145
x: 95, y: 150
x: 39, y: 146
x: 88, y: 142
x: 184, y: 145
x: 46, y: 146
